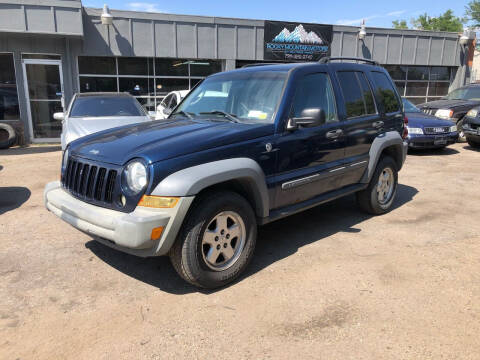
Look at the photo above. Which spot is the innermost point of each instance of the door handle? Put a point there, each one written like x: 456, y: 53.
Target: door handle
x: 334, y: 134
x: 378, y: 124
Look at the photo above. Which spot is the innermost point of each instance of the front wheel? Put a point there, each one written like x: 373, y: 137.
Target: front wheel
x: 378, y: 197
x: 473, y: 143
x: 217, y: 240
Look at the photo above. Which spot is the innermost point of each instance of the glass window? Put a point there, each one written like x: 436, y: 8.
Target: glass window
x: 416, y: 88
x: 97, y: 65
x: 135, y: 66
x: 166, y: 101
x: 98, y: 106
x: 315, y: 91
x: 164, y: 86
x: 98, y: 84
x: 9, y: 109
x: 41, y: 56
x: 204, y: 67
x: 386, y: 92
x: 417, y: 73
x: 147, y: 102
x: 194, y: 82
x: 397, y: 72
x: 438, y: 88
x: 171, y: 67
x: 352, y: 93
x: 250, y: 96
x: 174, y: 102
x: 440, y: 73
x: 400, y: 87
x: 409, y: 107
x: 43, y: 81
x: 417, y: 100
x: 367, y: 94
x: 137, y: 86
x: 465, y: 93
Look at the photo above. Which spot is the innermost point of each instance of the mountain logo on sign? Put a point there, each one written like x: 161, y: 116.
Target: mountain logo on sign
x: 298, y: 35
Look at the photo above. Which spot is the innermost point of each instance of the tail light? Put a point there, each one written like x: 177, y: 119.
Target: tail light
x: 405, y: 128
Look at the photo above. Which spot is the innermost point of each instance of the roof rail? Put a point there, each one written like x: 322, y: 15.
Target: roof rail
x: 327, y: 59
x: 259, y: 64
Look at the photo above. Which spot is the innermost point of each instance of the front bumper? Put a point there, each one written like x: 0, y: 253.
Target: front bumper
x: 472, y: 133
x: 431, y: 141
x: 130, y: 232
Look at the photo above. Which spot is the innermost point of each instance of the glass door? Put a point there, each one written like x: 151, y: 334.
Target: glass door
x: 44, y: 93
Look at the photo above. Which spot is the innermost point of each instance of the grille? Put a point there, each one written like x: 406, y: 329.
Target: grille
x: 436, y: 130
x: 89, y: 181
x: 429, y: 111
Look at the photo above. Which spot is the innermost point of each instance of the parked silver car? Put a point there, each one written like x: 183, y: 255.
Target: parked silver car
x: 89, y: 113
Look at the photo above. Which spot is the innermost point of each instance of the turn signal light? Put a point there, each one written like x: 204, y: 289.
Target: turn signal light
x: 158, y: 201
x: 156, y: 233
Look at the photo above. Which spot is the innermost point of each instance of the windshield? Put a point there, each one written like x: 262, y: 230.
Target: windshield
x: 409, y: 107
x: 471, y: 93
x: 246, y: 96
x: 99, y: 106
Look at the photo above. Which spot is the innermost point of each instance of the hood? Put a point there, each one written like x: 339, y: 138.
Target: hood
x: 449, y: 104
x: 82, y: 126
x: 162, y: 140
x: 418, y: 119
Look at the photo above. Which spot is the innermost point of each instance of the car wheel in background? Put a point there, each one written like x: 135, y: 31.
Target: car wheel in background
x: 7, y: 136
x: 378, y: 197
x: 473, y: 143
x: 461, y: 134
x: 217, y: 240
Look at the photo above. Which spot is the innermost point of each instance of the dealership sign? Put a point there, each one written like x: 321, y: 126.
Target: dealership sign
x: 296, y: 42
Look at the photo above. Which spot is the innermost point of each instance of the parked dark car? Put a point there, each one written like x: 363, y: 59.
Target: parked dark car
x: 471, y: 127
x: 427, y: 131
x: 274, y: 141
x: 455, y: 105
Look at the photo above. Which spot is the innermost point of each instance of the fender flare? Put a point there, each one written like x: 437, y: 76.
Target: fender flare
x: 381, y: 142
x: 192, y: 180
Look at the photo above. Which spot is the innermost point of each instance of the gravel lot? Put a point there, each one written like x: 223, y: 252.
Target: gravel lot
x: 330, y: 283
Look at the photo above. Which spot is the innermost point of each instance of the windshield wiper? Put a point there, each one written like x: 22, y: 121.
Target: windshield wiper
x: 228, y: 116
x: 184, y: 113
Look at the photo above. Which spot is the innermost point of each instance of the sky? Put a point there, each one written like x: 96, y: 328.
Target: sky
x: 376, y: 13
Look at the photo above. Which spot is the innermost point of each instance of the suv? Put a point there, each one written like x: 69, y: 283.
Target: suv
x: 455, y: 105
x: 244, y: 148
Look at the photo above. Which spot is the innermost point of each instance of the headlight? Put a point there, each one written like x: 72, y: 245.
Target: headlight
x: 453, y: 128
x: 65, y: 159
x: 472, y: 113
x: 135, y: 174
x: 417, y: 131
x: 444, y: 113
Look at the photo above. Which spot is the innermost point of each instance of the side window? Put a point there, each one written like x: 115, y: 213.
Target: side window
x: 315, y: 91
x: 385, y: 92
x: 173, y: 103
x: 357, y: 93
x: 166, y: 101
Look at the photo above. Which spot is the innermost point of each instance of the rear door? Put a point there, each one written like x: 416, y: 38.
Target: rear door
x: 310, y: 159
x: 362, y: 122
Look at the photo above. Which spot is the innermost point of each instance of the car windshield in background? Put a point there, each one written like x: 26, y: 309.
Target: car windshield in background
x: 409, y: 107
x: 466, y: 93
x: 102, y: 106
x: 245, y: 96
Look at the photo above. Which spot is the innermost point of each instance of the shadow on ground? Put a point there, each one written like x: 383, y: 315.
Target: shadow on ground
x: 470, y: 148
x: 1, y: 167
x: 28, y: 150
x: 276, y: 241
x: 12, y: 198
x: 433, y: 152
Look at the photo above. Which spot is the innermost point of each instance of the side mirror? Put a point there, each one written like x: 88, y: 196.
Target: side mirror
x: 167, y: 111
x: 310, y: 117
x: 60, y: 116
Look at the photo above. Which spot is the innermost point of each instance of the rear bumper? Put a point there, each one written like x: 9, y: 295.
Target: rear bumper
x: 130, y: 233
x: 431, y: 141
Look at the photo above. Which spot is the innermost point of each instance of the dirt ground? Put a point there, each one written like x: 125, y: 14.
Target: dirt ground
x: 330, y: 283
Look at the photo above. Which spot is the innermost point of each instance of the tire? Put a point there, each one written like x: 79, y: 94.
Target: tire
x: 461, y: 134
x: 210, y: 266
x: 473, y: 143
x: 368, y: 199
x: 7, y: 136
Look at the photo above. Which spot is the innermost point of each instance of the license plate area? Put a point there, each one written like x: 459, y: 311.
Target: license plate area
x: 440, y: 140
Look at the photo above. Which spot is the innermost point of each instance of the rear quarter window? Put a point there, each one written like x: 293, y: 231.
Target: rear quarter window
x: 386, y: 92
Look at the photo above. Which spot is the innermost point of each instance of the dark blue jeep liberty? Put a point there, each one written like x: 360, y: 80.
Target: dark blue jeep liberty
x: 244, y: 148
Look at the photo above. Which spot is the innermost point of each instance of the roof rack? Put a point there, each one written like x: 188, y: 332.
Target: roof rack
x: 259, y: 64
x: 326, y: 60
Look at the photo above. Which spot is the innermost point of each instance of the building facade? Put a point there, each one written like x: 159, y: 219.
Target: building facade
x: 51, y: 49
